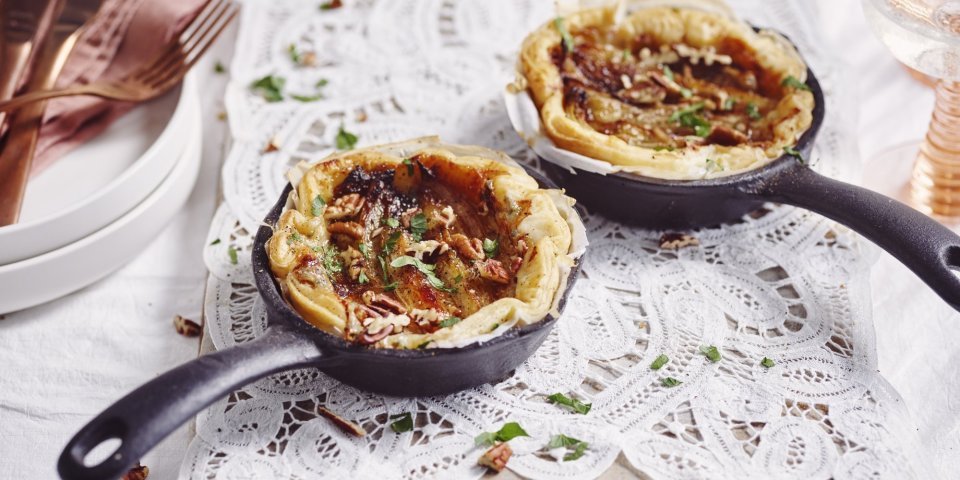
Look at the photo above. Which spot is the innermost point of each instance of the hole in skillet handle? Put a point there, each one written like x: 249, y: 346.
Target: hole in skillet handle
x: 90, y: 456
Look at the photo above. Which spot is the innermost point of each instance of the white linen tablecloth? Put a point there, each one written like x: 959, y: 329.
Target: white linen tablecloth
x: 63, y: 362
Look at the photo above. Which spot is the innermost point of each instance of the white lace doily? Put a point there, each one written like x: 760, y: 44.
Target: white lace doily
x: 784, y: 284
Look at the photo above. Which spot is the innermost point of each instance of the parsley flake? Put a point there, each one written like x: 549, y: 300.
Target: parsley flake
x: 294, y: 238
x: 767, y: 363
x: 793, y: 152
x: 753, y: 112
x: 390, y: 287
x: 216, y: 241
x: 688, y: 117
x: 316, y: 206
x: 507, y: 432
x: 418, y: 225
x: 686, y: 92
x: 295, y: 56
x: 392, y: 222
x: 659, y: 362
x: 362, y: 278
x: 218, y: 67
x: 391, y: 242
x: 364, y: 249
x: 306, y: 98
x: 424, y: 268
x: 450, y: 321
x: 660, y: 148
x: 670, y: 382
x: 345, y: 140
x: 331, y: 260
x: 409, y: 164
x: 494, y: 328
x: 792, y: 82
x: 573, y: 403
x: 331, y: 5
x: 491, y: 247
x: 667, y: 72
x: 269, y: 87
x: 710, y: 352
x: 561, y: 26
x: 232, y: 252
x: 728, y: 103
x: 402, y: 422
x: 578, y: 447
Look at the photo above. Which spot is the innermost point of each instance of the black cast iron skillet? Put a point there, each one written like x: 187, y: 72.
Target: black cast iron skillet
x: 144, y: 417
x: 929, y: 249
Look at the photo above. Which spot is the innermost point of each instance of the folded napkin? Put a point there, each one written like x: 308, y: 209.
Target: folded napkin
x: 123, y: 35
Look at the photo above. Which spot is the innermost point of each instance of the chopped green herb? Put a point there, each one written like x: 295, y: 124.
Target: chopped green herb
x: 402, y: 422
x: 269, y: 87
x: 670, y: 382
x: 321, y: 83
x: 383, y: 268
x: 392, y: 222
x: 563, y: 441
x: 390, y: 287
x: 331, y: 260
x: 494, y: 328
x: 424, y: 268
x: 728, y: 103
x: 561, y: 26
x: 491, y: 247
x: 391, y: 242
x: 450, y: 321
x: 573, y: 403
x: 295, y: 56
x: 660, y: 148
x: 307, y: 98
x: 753, y: 112
x: 686, y: 92
x: 409, y: 164
x: 659, y: 362
x: 792, y: 82
x: 294, y: 238
x: 364, y: 249
x: 418, y: 225
x: 626, y: 55
x: 696, y: 107
x: 711, y: 352
x: 507, y: 432
x: 362, y: 278
x: 766, y: 362
x: 216, y: 241
x: 316, y: 206
x: 232, y: 252
x: 667, y: 72
x: 701, y: 127
x: 345, y: 139
x: 458, y: 278
x: 424, y: 344
x: 793, y: 152
x: 218, y: 67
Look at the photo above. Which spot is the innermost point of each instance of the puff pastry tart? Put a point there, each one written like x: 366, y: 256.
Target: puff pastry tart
x: 666, y: 92
x: 421, y: 245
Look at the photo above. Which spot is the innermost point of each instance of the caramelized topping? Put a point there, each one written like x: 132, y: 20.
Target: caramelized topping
x: 667, y: 96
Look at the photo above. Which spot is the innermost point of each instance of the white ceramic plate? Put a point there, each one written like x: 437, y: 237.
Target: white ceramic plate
x: 102, y: 179
x: 56, y: 273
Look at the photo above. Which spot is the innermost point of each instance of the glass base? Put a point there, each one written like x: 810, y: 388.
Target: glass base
x: 890, y: 171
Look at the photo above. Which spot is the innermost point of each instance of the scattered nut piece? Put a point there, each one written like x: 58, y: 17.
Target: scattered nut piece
x: 515, y: 262
x: 345, y: 206
x: 383, y: 302
x: 354, y: 260
x: 272, y: 145
x: 469, y: 248
x: 445, y: 216
x: 371, y: 338
x: 676, y: 241
x: 406, y: 216
x: 496, y: 457
x: 309, y: 59
x: 494, y: 271
x: 427, y: 247
x: 186, y: 327
x: 139, y: 472
x: 342, y: 423
x: 361, y: 117
x: 350, y: 229
x: 425, y: 316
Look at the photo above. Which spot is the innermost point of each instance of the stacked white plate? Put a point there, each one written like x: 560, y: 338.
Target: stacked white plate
x: 95, y: 208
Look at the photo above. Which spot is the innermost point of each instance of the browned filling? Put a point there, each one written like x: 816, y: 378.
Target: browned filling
x: 424, y: 241
x: 667, y: 96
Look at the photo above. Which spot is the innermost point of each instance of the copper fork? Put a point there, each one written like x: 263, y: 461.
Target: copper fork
x: 160, y: 74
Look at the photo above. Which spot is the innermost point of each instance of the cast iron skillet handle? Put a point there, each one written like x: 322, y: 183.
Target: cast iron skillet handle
x: 148, y: 414
x: 928, y: 248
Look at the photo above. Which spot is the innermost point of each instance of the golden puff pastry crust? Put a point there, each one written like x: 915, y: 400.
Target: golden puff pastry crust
x: 666, y: 92
x: 420, y: 244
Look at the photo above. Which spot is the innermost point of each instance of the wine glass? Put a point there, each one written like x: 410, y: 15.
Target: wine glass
x: 925, y: 36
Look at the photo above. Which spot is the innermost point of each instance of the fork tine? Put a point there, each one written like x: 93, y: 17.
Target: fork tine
x: 189, y: 32
x: 193, y: 52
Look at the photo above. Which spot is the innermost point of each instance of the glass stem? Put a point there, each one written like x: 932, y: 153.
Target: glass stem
x: 935, y: 187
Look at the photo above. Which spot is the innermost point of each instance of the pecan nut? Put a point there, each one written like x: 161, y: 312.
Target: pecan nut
x: 676, y: 241
x: 350, y: 229
x: 344, y: 207
x: 138, y: 472
x: 494, y: 271
x: 370, y: 338
x: 384, y: 303
x: 469, y: 248
x: 186, y: 327
x: 496, y: 457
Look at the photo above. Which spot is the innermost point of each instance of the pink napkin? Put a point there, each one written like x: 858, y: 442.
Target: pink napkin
x: 124, y: 35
